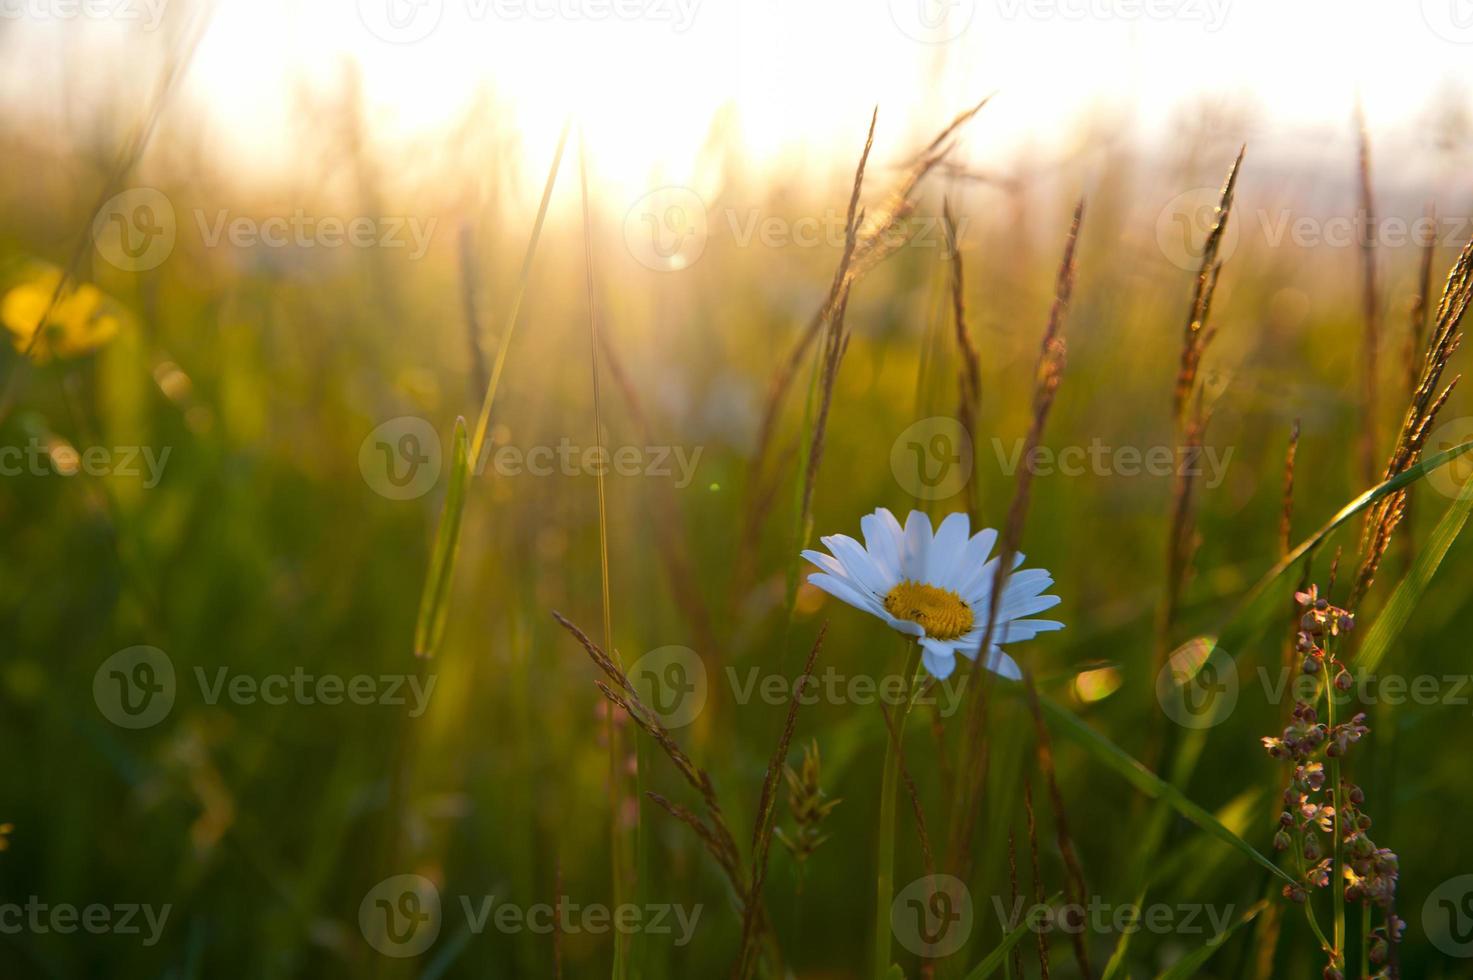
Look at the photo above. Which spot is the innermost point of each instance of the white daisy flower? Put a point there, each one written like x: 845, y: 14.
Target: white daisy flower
x: 937, y: 587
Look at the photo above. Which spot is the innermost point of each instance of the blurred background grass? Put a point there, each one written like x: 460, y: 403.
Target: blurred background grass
x: 263, y: 548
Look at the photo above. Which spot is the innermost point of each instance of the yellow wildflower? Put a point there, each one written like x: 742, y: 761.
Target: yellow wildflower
x: 82, y: 320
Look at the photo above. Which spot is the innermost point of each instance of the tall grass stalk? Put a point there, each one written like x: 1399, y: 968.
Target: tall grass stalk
x: 1189, y: 417
x: 969, y: 374
x: 1426, y: 401
x: 885, y: 843
x: 1048, y: 373
x: 765, y: 821
x: 175, y: 67
x: 1370, y: 302
x: 483, y: 420
x: 872, y: 246
x: 435, y: 593
x: 622, y: 859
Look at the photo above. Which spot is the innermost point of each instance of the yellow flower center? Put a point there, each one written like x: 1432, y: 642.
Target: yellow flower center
x: 943, y: 614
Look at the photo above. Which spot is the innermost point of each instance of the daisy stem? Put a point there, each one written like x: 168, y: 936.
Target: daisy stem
x: 885, y: 847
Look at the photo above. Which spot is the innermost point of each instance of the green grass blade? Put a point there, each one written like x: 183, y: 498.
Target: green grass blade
x: 434, y: 601
x: 1149, y: 783
x: 1237, y: 814
x: 483, y: 421
x: 999, y: 954
x: 1398, y: 611
x: 1349, y: 511
x: 1237, y: 626
x: 1187, y: 967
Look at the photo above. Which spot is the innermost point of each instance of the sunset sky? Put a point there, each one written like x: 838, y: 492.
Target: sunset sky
x: 644, y: 74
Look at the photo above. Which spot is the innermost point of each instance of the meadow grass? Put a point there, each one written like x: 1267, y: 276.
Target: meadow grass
x: 545, y: 768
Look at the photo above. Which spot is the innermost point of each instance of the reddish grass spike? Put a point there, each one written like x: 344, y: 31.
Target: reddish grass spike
x: 1417, y: 317
x: 1370, y: 305
x: 870, y: 249
x: 1195, y: 340
x: 1383, y: 517
x: 970, y: 373
x: 1017, y: 954
x: 1286, y: 510
x: 1074, y: 872
x: 1040, y: 934
x: 1047, y: 375
x: 927, y: 855
x: 1191, y: 419
x: 1286, y: 514
x: 716, y: 834
x: 836, y: 341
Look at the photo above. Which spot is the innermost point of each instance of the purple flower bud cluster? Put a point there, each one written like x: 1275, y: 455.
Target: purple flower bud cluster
x: 1320, y: 622
x: 1369, y: 872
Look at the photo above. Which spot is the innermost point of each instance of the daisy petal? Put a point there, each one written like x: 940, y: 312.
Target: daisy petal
x: 857, y: 563
x: 828, y: 563
x: 939, y: 658
x: 947, y: 550
x: 974, y: 558
x: 845, y: 591
x: 976, y: 586
x: 1025, y: 583
x: 1003, y: 665
x: 917, y: 546
x: 1025, y: 606
x: 1031, y: 580
x: 1026, y: 629
x: 903, y: 625
x: 838, y: 570
x: 882, y: 540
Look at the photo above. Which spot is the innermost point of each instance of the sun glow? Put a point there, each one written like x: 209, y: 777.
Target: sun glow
x: 659, y: 86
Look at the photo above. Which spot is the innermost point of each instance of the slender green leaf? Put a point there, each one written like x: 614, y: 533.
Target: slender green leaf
x: 1195, y: 652
x: 1350, y: 510
x: 434, y: 602
x: 1398, y: 611
x: 483, y: 420
x: 1151, y: 784
x: 1187, y: 967
x: 1239, y: 624
x: 999, y: 955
